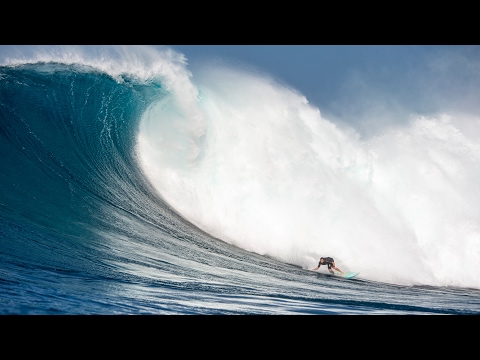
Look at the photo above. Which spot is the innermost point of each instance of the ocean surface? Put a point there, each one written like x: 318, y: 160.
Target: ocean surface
x: 129, y: 185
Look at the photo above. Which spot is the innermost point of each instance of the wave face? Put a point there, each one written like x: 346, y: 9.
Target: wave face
x: 130, y: 186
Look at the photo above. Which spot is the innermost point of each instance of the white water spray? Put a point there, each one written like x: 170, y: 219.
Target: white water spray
x: 260, y: 168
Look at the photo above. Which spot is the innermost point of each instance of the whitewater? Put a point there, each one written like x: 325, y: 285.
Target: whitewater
x: 131, y: 184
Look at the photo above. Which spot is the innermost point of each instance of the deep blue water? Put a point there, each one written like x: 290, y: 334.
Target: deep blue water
x: 82, y: 231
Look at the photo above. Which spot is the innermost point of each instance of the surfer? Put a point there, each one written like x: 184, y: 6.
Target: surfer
x: 330, y: 264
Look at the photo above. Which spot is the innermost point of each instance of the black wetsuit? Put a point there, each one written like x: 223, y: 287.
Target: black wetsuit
x: 327, y: 261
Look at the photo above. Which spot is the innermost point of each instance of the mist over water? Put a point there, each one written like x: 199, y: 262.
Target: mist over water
x: 260, y: 168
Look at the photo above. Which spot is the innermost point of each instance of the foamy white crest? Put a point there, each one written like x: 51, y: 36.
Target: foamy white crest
x: 142, y: 62
x: 267, y: 173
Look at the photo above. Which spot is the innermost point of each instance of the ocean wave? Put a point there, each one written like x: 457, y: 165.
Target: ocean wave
x: 121, y: 163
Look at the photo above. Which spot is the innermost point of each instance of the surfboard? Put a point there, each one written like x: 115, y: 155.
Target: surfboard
x: 348, y: 275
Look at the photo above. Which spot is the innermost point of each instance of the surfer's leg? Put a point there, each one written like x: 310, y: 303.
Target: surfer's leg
x: 330, y: 269
x: 340, y: 271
